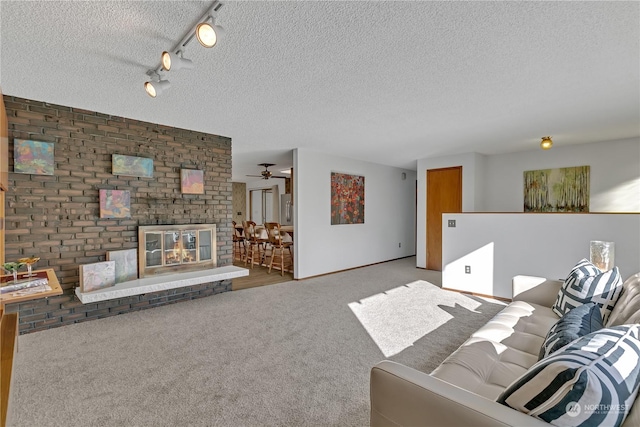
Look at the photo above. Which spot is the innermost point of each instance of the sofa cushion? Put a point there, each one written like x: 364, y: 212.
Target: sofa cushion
x: 578, y: 322
x: 592, y: 381
x: 587, y: 283
x: 627, y: 308
x: 500, y: 351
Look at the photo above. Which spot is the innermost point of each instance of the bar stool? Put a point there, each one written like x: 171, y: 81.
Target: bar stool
x: 278, y: 246
x: 239, y: 248
x: 255, y: 245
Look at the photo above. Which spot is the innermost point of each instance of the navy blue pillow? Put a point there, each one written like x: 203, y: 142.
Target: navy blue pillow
x: 577, y: 323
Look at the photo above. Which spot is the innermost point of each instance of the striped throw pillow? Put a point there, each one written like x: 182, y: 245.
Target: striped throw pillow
x: 578, y: 322
x: 587, y: 283
x: 592, y: 381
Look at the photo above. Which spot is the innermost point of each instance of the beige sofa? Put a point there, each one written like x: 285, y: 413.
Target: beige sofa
x: 463, y: 389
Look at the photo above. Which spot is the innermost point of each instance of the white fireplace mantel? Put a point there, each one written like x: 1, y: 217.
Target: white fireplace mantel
x: 162, y: 283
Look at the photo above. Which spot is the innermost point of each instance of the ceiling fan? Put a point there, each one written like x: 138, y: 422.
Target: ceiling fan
x: 266, y: 173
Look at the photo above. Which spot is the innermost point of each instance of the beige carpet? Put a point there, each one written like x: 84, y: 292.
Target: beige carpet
x: 290, y: 354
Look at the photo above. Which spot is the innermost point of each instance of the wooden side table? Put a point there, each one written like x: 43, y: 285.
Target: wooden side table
x: 21, y: 296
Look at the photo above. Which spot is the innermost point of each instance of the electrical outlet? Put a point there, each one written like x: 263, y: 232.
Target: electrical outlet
x: 451, y: 223
x: 399, y: 244
x: 467, y: 269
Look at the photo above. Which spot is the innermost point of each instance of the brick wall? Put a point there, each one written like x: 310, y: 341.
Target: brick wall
x: 57, y: 217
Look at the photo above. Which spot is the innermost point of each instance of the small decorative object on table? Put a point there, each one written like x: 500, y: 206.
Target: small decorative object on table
x: 29, y: 262
x: 603, y: 254
x: 12, y: 267
x: 15, y: 285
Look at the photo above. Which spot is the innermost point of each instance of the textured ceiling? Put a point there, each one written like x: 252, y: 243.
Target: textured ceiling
x: 387, y: 82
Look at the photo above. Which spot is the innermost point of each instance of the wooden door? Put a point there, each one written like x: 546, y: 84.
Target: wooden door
x: 444, y: 195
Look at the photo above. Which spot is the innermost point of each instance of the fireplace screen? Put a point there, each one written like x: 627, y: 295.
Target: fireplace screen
x: 171, y: 248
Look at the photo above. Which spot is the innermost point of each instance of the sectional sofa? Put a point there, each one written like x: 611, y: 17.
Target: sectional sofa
x: 500, y: 361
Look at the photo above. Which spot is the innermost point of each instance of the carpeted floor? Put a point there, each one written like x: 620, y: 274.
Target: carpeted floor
x: 289, y: 354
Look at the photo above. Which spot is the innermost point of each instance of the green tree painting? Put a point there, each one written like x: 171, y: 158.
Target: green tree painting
x: 557, y: 190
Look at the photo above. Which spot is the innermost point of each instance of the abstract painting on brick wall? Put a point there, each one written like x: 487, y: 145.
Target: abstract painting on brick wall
x: 126, y: 264
x: 115, y: 204
x: 557, y: 190
x: 33, y: 157
x: 131, y: 166
x: 347, y: 199
x: 192, y: 181
x: 98, y: 275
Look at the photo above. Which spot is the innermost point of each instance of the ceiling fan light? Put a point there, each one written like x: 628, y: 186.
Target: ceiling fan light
x: 546, y: 143
x: 155, y: 88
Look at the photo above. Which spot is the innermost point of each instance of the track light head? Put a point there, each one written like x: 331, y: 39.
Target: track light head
x: 155, y: 88
x: 174, y: 61
x: 208, y: 34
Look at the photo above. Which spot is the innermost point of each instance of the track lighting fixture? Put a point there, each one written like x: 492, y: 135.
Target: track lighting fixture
x: 156, y: 86
x: 174, y: 61
x: 207, y: 34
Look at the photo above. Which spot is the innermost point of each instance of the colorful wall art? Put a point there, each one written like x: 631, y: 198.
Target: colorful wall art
x: 347, y: 199
x: 126, y: 264
x: 131, y: 166
x: 115, y: 204
x: 33, y: 157
x: 98, y: 275
x: 192, y: 181
x: 557, y: 190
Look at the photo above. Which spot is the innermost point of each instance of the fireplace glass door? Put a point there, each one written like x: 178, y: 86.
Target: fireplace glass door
x: 169, y: 248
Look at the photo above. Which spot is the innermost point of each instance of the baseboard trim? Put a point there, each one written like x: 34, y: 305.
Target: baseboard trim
x: 475, y: 294
x: 352, y: 268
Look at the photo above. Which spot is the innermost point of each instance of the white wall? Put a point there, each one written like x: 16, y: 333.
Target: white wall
x: 500, y: 246
x: 389, y: 215
x: 615, y: 174
x: 495, y: 183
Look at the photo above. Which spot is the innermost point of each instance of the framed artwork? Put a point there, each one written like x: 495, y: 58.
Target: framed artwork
x: 115, y: 204
x: 131, y: 166
x: 98, y: 275
x: 557, y: 190
x: 126, y: 264
x: 192, y: 181
x: 347, y: 199
x: 33, y: 157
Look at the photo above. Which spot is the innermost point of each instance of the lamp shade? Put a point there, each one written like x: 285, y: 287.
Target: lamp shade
x: 602, y: 254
